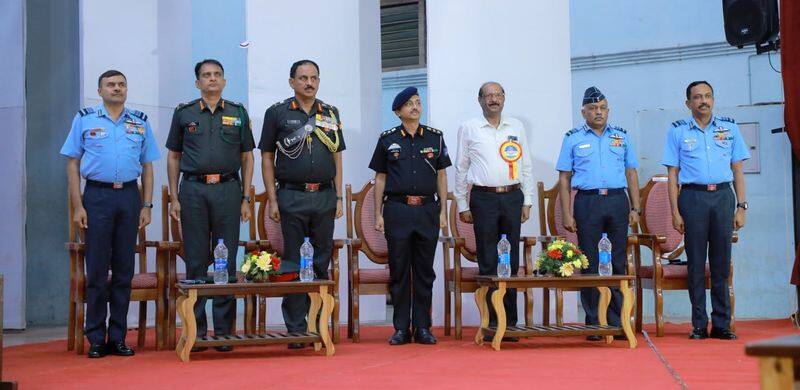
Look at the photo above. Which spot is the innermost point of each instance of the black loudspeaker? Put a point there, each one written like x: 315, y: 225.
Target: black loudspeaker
x: 750, y: 22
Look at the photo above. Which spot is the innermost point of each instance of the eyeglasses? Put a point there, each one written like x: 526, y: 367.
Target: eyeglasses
x: 494, y: 95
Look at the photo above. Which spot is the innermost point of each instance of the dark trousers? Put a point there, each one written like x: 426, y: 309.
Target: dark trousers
x: 493, y: 215
x: 305, y: 214
x: 594, y: 215
x: 708, y: 223
x: 113, y: 219
x: 210, y: 212
x: 411, y: 235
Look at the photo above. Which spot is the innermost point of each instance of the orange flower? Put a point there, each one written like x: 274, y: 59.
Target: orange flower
x: 555, y: 253
x: 276, y: 263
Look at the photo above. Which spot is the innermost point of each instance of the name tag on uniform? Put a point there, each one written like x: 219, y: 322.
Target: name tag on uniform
x: 326, y: 122
x: 584, y: 146
x: 231, y: 121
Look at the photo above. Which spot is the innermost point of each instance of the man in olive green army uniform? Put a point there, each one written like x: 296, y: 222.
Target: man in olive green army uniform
x: 209, y: 141
x: 301, y: 144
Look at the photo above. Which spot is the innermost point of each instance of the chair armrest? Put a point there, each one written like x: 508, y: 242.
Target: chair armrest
x: 339, y: 243
x: 447, y: 240
x: 168, y: 246
x: 75, y: 246
x: 648, y: 240
x: 353, y: 243
x: 528, y: 241
x: 548, y: 239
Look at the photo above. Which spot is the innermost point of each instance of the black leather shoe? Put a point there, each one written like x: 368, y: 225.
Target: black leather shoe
x: 594, y: 337
x: 400, y: 337
x: 698, y: 334
x: 198, y: 349
x: 119, y: 348
x: 96, y: 351
x: 424, y: 336
x: 295, y: 346
x: 224, y: 348
x: 722, y: 334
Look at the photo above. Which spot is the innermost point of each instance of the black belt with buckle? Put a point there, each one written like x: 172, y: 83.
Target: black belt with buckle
x: 305, y: 187
x: 707, y: 187
x: 211, y: 178
x: 497, y: 190
x: 603, y: 191
x: 411, y: 200
x: 117, y: 185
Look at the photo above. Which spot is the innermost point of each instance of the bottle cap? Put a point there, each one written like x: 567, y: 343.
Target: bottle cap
x: 502, y: 236
x: 307, y: 239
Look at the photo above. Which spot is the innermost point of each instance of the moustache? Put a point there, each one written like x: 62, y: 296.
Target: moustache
x: 704, y: 106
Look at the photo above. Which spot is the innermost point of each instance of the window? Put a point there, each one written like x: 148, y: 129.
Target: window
x: 402, y: 34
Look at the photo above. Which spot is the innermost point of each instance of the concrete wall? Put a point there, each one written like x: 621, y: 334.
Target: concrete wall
x: 52, y: 98
x: 12, y: 162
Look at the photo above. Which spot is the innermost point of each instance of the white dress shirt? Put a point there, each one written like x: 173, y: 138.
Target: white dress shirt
x: 478, y: 159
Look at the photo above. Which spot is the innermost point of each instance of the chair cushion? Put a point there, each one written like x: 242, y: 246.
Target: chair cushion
x: 658, y: 217
x: 671, y: 271
x: 373, y: 275
x: 558, y: 229
x: 468, y: 274
x: 142, y: 281
x: 274, y: 233
x: 467, y: 232
x: 374, y: 240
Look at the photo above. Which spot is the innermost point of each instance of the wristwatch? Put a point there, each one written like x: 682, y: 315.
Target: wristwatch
x: 247, y: 198
x: 637, y: 211
x: 743, y: 205
x: 147, y: 205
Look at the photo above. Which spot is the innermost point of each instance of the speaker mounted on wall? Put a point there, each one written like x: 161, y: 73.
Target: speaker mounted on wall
x: 752, y: 22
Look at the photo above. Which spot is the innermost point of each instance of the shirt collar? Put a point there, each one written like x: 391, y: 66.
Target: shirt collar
x: 711, y: 124
x: 420, y: 131
x: 101, y: 111
x: 587, y: 129
x: 316, y: 107
x: 203, y: 106
x: 503, y: 121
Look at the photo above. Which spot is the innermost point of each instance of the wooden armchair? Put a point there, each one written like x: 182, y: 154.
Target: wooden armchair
x: 460, y: 279
x: 665, y: 244
x: 173, y: 248
x: 364, y: 281
x: 551, y: 226
x: 145, y: 286
x: 270, y: 238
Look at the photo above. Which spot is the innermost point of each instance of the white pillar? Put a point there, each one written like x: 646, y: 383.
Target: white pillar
x: 12, y: 162
x: 525, y: 46
x: 343, y: 38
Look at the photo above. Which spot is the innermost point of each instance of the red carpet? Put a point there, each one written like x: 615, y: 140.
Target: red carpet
x: 568, y: 362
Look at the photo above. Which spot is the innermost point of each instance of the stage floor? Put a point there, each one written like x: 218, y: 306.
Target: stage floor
x: 667, y: 362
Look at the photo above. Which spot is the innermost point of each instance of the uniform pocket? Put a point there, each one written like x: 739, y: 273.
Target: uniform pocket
x: 231, y: 134
x: 584, y: 150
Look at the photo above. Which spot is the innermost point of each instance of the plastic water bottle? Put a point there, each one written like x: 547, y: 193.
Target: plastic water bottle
x: 220, y: 263
x: 604, y: 251
x: 503, y: 257
x: 306, y: 261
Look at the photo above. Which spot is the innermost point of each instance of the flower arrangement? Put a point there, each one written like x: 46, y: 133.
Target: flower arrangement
x: 561, y: 258
x: 259, y: 265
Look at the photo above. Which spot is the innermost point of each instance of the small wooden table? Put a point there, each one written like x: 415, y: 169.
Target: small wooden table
x: 778, y: 361
x: 602, y: 283
x: 317, y: 290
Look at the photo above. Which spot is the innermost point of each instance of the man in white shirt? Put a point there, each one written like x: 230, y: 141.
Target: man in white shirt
x: 493, y: 156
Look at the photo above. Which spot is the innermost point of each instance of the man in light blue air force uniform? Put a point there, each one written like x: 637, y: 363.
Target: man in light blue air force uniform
x: 703, y: 154
x: 599, y: 161
x: 110, y: 146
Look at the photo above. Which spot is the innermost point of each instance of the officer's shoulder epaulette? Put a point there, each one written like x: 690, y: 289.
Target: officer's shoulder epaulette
x: 284, y: 101
x: 433, y: 130
x: 679, y: 123
x: 573, y: 131
x: 184, y: 105
x: 617, y: 128
x: 387, y: 132
x: 237, y: 104
x: 86, y: 111
x: 139, y: 115
x: 726, y: 119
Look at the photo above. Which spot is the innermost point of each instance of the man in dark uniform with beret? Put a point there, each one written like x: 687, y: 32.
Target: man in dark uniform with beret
x: 409, y: 163
x: 599, y: 161
x: 209, y: 141
x: 301, y: 144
